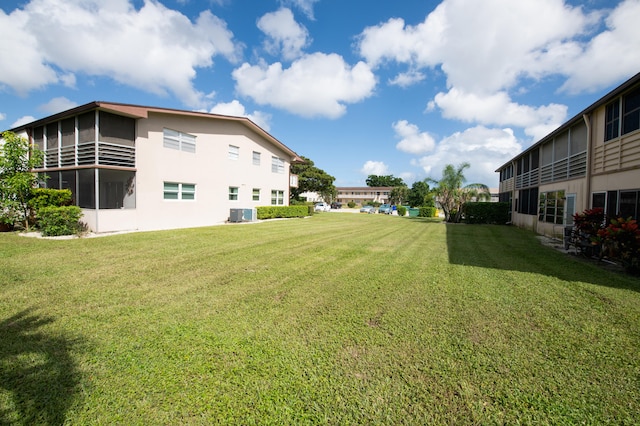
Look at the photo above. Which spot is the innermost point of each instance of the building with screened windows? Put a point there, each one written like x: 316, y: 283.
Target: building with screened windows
x: 592, y: 160
x: 132, y: 167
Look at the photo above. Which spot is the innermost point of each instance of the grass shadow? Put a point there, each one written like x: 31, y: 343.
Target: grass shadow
x: 38, y: 376
x: 512, y: 248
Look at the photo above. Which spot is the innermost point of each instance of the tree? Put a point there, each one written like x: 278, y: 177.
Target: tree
x: 398, y: 194
x: 17, y: 160
x: 420, y: 195
x: 312, y: 179
x: 388, y: 180
x: 452, y: 195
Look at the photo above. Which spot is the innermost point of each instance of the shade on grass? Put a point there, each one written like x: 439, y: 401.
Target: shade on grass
x: 333, y: 319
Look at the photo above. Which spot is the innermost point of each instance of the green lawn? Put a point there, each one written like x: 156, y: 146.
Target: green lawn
x: 336, y: 319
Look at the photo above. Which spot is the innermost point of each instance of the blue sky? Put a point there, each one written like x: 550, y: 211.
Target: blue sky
x: 361, y: 87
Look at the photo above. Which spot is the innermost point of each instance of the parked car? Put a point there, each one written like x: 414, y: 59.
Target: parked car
x: 336, y: 205
x: 384, y: 208
x: 322, y: 207
x: 367, y: 209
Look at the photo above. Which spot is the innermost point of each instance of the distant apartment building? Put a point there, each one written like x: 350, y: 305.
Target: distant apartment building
x: 362, y: 195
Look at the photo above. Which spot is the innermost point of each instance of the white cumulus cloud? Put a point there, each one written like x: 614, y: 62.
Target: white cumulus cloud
x: 315, y: 85
x: 484, y: 148
x: 235, y: 108
x: 153, y: 48
x: 285, y: 34
x: 57, y: 105
x: 498, y: 109
x: 412, y: 140
x: 374, y: 168
x: 23, y: 120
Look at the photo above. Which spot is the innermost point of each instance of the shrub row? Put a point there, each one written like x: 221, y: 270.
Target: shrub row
x: 427, y: 212
x: 55, y: 221
x: 272, y: 212
x: 493, y: 213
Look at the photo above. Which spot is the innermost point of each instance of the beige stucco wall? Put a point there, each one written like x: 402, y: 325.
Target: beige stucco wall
x: 209, y: 168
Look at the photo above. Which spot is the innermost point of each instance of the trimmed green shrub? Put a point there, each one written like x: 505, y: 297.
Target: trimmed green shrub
x: 402, y: 210
x: 493, y: 213
x: 46, y: 197
x: 64, y: 220
x: 427, y: 211
x: 272, y: 212
x: 351, y: 204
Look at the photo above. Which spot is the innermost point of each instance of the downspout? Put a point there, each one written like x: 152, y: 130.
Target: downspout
x: 587, y: 122
x: 96, y: 174
x: 513, y: 191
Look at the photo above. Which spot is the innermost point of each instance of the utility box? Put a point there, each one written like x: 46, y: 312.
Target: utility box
x: 242, y: 215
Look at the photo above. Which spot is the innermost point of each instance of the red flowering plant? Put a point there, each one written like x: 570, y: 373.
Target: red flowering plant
x: 587, y: 225
x: 622, y: 241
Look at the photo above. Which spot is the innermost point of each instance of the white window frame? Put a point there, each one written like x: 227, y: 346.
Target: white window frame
x: 234, y: 152
x: 256, y: 194
x: 277, y: 165
x: 234, y: 193
x: 277, y: 197
x: 182, y: 191
x: 256, y: 158
x: 174, y: 139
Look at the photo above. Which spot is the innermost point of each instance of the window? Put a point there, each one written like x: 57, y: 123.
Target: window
x: 277, y: 165
x: 631, y: 112
x: 612, y: 121
x: 173, y: 139
x: 117, y: 129
x: 233, y: 193
x: 234, y: 152
x: 256, y: 194
x: 277, y: 197
x: 527, y: 201
x: 624, y: 203
x: 256, y: 158
x: 117, y: 189
x: 551, y: 207
x: 179, y: 191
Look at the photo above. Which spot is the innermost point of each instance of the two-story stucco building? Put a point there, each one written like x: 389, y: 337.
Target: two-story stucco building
x: 363, y: 194
x: 592, y: 160
x: 133, y: 167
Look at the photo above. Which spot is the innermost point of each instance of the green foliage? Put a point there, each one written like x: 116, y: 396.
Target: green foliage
x: 420, y: 195
x: 49, y: 197
x: 387, y: 180
x: 398, y: 195
x: 452, y: 196
x: 492, y: 213
x: 402, y: 210
x: 273, y: 212
x: 622, y: 241
x: 344, y: 319
x: 428, y: 212
x: 64, y: 220
x: 351, y: 204
x: 17, y: 160
x: 312, y: 179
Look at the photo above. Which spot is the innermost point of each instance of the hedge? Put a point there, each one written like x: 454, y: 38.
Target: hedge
x: 427, y: 212
x: 55, y: 221
x: 272, y: 212
x: 47, y: 197
x: 493, y: 213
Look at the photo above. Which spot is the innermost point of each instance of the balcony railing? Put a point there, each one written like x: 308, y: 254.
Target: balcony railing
x: 108, y: 154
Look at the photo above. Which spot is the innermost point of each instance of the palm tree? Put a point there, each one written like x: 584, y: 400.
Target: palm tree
x: 452, y: 196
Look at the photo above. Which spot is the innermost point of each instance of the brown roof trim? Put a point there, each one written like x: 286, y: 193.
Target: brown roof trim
x: 364, y: 188
x: 139, y: 111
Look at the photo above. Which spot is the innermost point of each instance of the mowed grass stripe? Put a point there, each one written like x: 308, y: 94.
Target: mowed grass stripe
x: 334, y: 319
